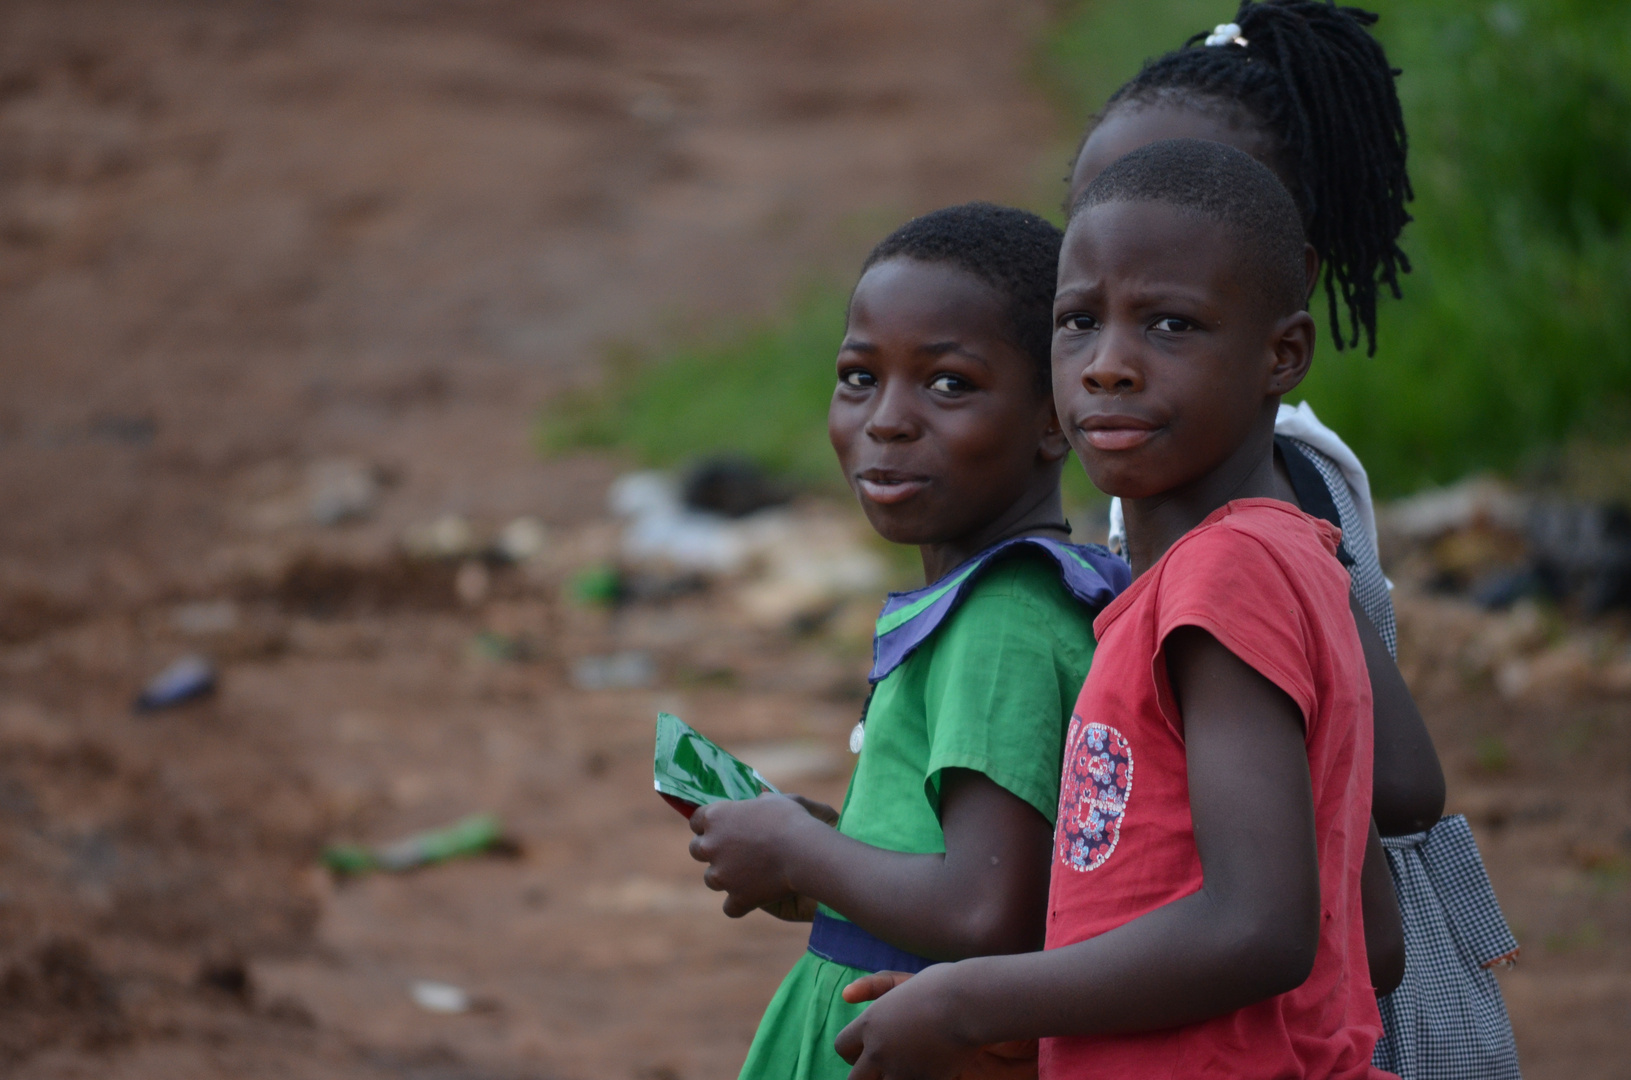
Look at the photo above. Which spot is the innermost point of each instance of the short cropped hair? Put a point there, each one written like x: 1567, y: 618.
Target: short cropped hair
x: 1013, y: 251
x: 1225, y: 185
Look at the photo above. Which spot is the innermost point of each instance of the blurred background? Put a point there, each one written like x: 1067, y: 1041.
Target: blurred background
x: 338, y: 343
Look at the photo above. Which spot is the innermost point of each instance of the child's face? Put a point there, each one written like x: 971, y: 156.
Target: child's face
x: 1165, y: 358
x: 938, y: 420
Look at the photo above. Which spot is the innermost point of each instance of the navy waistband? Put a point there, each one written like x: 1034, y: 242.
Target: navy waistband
x: 845, y: 943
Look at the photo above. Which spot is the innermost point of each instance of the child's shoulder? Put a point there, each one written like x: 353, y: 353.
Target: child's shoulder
x: 1276, y: 528
x: 1025, y: 577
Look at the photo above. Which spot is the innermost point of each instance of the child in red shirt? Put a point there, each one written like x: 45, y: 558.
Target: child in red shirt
x: 1204, y: 913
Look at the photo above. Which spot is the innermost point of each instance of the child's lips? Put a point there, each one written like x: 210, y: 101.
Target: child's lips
x: 889, y: 488
x: 1117, y: 432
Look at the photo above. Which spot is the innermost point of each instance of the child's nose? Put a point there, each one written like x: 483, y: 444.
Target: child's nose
x: 1113, y: 366
x: 892, y: 417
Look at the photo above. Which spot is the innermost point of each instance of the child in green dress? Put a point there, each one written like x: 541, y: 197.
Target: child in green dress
x: 943, y: 422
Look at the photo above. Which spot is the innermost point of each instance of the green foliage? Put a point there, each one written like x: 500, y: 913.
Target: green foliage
x: 761, y: 390
x: 1515, y: 332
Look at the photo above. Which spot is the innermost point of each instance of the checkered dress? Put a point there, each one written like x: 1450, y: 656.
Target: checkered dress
x: 1369, y: 585
x: 1446, y: 1020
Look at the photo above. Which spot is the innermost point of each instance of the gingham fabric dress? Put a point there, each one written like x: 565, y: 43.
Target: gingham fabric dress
x: 1446, y: 1020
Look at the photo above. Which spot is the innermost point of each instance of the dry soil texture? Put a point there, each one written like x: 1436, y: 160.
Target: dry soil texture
x: 241, y: 240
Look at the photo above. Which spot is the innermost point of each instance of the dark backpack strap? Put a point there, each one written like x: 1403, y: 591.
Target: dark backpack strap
x: 1311, y: 491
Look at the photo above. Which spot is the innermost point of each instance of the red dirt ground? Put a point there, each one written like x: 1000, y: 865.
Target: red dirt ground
x: 238, y: 238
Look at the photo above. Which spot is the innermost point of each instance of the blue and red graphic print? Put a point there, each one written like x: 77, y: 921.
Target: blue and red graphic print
x: 1093, y: 795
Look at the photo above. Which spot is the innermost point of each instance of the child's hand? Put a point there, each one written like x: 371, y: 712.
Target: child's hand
x: 746, y: 844
x: 999, y: 1061
x: 909, y: 1032
x: 818, y: 810
x: 794, y: 908
x: 874, y: 986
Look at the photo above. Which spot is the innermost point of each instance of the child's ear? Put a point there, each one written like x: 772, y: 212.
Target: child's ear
x: 1293, y: 351
x: 1053, y: 446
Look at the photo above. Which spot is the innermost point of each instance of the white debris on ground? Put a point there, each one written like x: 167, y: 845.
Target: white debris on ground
x: 439, y: 997
x: 1428, y: 515
x: 783, y: 564
x: 522, y: 540
x: 1450, y: 550
x: 340, y: 490
x: 447, y: 537
x: 632, y: 669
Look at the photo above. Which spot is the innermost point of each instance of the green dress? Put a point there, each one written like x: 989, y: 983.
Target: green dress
x: 991, y: 690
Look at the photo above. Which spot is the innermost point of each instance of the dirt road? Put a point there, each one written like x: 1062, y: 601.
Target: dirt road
x: 251, y: 245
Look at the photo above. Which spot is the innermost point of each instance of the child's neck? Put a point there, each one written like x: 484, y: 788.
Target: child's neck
x: 1155, y: 523
x: 1038, y: 514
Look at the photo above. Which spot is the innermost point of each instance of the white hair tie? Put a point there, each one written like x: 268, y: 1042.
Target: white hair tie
x: 1226, y: 34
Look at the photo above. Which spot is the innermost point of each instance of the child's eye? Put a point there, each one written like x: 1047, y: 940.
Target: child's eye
x: 949, y: 384
x: 1173, y: 325
x: 1078, y: 321
x: 858, y: 378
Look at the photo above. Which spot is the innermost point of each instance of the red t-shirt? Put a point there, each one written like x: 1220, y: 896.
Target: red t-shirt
x: 1261, y: 577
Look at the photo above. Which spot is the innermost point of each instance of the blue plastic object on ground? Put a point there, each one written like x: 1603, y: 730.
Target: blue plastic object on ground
x: 187, y: 679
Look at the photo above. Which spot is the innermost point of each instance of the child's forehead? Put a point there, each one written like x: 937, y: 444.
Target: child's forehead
x: 915, y: 289
x: 1149, y: 229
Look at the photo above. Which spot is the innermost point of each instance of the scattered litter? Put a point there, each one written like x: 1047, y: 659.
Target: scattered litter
x: 598, y: 586
x: 733, y: 487
x: 662, y: 530
x: 798, y: 567
x: 341, y: 490
x: 439, y: 997
x: 499, y: 648
x: 785, y: 763
x: 471, y: 836
x: 520, y: 541
x: 187, y: 679
x: 447, y: 537
x: 205, y: 617
x: 1583, y: 550
x: 471, y: 583
x: 1477, y: 501
x: 807, y: 579
x: 629, y: 670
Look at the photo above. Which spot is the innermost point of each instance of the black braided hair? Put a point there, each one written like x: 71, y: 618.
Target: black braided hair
x: 1313, y: 79
x: 1013, y: 251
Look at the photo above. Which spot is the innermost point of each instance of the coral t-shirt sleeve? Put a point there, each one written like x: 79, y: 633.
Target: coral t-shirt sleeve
x: 1226, y: 582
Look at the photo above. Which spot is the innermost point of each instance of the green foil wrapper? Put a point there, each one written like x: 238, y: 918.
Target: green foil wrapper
x: 471, y: 836
x: 691, y: 771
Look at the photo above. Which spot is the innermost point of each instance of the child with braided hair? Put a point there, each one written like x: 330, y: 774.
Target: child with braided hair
x: 1304, y: 88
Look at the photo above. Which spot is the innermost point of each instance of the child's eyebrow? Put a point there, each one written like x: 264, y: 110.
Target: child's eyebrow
x: 851, y: 345
x: 941, y: 348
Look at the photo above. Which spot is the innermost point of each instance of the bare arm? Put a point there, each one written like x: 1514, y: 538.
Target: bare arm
x: 1250, y: 932
x: 1384, y: 927
x: 986, y: 894
x: 1408, y: 783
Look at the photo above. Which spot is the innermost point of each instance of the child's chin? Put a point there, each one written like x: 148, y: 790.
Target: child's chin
x: 896, y: 525
x: 1116, y: 482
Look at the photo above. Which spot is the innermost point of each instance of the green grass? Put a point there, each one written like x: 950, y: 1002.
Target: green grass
x: 760, y: 390
x: 1514, y: 336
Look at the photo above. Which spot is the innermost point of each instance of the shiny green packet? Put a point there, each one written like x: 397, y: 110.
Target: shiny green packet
x: 690, y: 770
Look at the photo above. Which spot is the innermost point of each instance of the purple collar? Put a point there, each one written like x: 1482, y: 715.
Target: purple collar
x: 1091, y: 573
